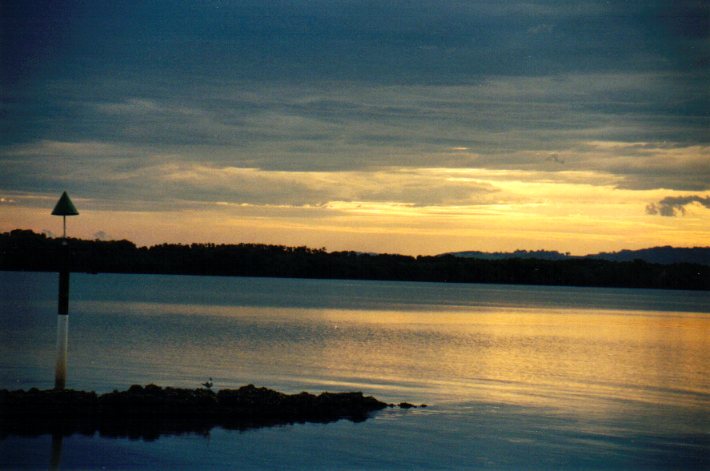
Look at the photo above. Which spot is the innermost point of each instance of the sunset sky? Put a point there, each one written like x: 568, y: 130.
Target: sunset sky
x: 415, y: 127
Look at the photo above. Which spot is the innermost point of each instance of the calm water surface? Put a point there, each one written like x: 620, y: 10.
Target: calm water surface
x: 533, y: 377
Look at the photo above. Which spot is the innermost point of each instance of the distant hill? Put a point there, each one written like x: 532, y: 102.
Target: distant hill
x: 662, y: 255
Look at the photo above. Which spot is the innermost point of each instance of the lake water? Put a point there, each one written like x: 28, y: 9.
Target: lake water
x: 515, y: 377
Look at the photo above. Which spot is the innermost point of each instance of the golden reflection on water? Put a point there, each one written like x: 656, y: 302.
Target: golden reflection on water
x: 572, y: 359
x: 533, y: 356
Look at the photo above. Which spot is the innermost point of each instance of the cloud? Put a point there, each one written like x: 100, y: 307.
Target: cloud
x: 305, y: 103
x: 415, y: 187
x: 675, y: 205
x: 649, y: 165
x: 351, y: 126
x: 166, y: 42
x: 555, y: 158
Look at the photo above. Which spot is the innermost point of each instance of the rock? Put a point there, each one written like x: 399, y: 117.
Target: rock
x: 151, y: 410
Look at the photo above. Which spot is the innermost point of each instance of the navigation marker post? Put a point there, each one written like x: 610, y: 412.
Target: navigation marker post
x: 64, y: 208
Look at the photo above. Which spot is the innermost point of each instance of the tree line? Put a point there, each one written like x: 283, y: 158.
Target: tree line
x: 29, y: 251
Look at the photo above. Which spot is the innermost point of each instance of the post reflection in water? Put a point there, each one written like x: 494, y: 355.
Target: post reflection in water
x: 56, y: 458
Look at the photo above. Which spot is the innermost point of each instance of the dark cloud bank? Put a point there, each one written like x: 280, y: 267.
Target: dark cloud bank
x: 350, y: 86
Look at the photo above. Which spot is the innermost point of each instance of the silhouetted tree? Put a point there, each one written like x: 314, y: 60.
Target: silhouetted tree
x: 26, y: 250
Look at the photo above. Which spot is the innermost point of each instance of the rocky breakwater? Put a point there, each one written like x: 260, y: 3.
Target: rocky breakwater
x: 150, y: 411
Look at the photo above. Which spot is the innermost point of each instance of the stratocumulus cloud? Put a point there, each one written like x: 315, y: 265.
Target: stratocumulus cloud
x: 675, y: 205
x: 541, y: 114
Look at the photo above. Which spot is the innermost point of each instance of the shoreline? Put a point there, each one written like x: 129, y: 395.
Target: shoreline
x: 150, y: 411
x: 26, y: 250
x: 374, y: 280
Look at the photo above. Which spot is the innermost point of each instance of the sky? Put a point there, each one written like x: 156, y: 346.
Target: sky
x: 413, y: 127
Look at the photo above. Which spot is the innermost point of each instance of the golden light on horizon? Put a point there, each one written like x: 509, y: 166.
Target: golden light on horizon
x: 501, y: 211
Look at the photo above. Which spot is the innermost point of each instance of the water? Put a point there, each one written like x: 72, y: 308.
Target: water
x: 533, y: 377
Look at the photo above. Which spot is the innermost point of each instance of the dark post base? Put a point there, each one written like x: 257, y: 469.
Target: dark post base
x: 63, y: 292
